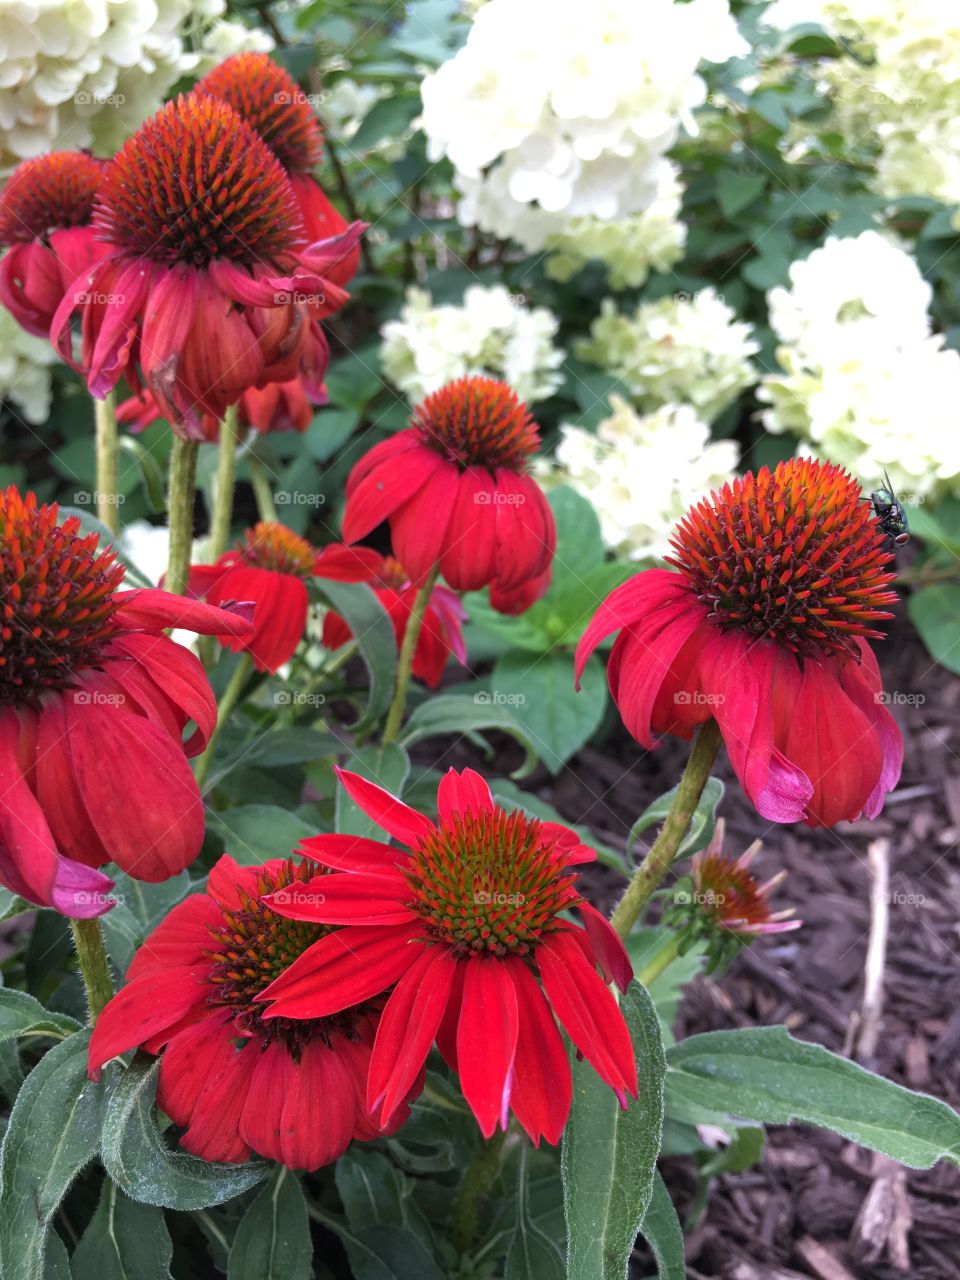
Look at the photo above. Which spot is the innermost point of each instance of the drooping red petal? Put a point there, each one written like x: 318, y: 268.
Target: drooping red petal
x: 179, y: 940
x: 395, y: 817
x: 629, y: 603
x: 204, y: 1082
x: 407, y: 1029
x: 144, y: 1008
x: 542, y: 1086
x: 611, y: 955
x: 469, y: 558
x: 487, y: 1040
x: 418, y: 529
x: 312, y: 1135
x: 386, y: 487
x: 153, y: 610
x: 346, y: 898
x: 587, y: 1011
x: 339, y: 563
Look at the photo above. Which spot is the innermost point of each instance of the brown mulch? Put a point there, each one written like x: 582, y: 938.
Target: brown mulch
x: 799, y: 1213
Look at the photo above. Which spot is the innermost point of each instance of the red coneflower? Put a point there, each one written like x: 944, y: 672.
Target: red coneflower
x: 460, y: 923
x: 441, y: 633
x: 45, y: 212
x: 731, y: 897
x: 519, y: 599
x: 271, y: 568
x: 208, y: 288
x: 782, y: 580
x: 269, y: 98
x: 291, y: 1091
x: 94, y: 699
x: 456, y: 490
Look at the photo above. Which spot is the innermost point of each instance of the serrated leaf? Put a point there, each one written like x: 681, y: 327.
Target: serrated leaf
x: 123, y: 1241
x: 662, y: 1232
x: 255, y: 833
x: 52, y: 1134
x: 763, y: 1074
x: 273, y: 1238
x: 388, y: 767
x: 22, y: 1015
x: 455, y: 714
x: 375, y: 639
x: 144, y: 1167
x: 701, y: 824
x: 609, y: 1156
x: 542, y: 690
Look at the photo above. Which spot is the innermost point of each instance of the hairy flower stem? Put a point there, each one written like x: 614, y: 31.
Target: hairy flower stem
x: 223, y: 492
x: 662, y: 852
x: 231, y: 696
x: 261, y: 489
x: 180, y: 497
x: 405, y: 660
x: 88, y: 942
x: 474, y: 1189
x: 108, y: 450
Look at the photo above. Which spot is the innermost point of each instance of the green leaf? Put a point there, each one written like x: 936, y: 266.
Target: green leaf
x: 51, y: 1135
x: 273, y: 1239
x: 558, y: 718
x: 763, y: 1074
x: 463, y: 716
x: 388, y: 118
x: 609, y: 1155
x: 142, y: 1165
x: 22, y: 1015
x: 376, y: 1193
x: 11, y: 905
x: 124, y: 1241
x: 935, y: 612
x: 382, y: 1253
x: 661, y: 1230
x: 532, y: 1254
x: 701, y: 824
x: 377, y: 644
x: 151, y: 473
x: 579, y: 540
x: 736, y: 190
x: 388, y: 767
x: 254, y: 833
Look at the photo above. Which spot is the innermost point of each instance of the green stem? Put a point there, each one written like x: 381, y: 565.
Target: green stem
x: 666, y: 955
x: 477, y: 1182
x: 108, y: 451
x: 231, y: 696
x: 88, y: 941
x: 180, y: 498
x: 261, y: 489
x: 405, y: 660
x: 223, y: 490
x: 664, y: 849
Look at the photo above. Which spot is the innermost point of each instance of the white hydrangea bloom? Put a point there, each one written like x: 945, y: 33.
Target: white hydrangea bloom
x: 630, y: 247
x: 864, y: 381
x: 685, y: 349
x: 24, y: 370
x: 554, y: 110
x: 642, y: 473
x: 86, y: 73
x: 491, y: 332
x: 342, y: 109
x: 901, y: 89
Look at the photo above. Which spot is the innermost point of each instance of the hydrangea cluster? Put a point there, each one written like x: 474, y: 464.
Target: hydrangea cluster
x: 901, y: 86
x: 344, y: 105
x: 491, y: 332
x: 86, y: 75
x: 24, y: 369
x: 686, y: 349
x: 641, y: 473
x: 631, y: 247
x: 552, y: 114
x: 864, y: 380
